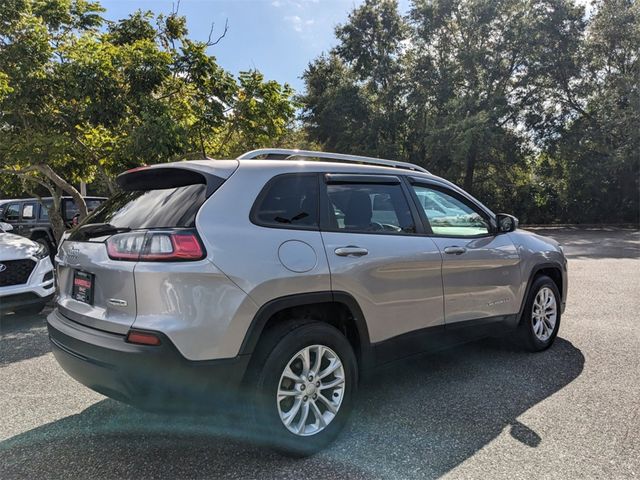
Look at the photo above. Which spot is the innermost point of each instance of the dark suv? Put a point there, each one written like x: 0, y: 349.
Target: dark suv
x: 30, y: 219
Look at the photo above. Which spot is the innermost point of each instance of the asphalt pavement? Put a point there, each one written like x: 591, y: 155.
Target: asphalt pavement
x: 485, y: 410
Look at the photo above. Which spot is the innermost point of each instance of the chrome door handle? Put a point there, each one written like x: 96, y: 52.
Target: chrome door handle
x: 351, y: 250
x: 455, y: 250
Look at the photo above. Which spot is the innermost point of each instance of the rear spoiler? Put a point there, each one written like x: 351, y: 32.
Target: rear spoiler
x: 211, y: 173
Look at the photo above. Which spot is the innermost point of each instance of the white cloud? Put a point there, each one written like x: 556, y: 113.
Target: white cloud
x: 295, y: 21
x: 292, y: 3
x: 298, y: 23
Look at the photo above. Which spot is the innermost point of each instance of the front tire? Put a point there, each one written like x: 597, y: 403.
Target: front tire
x: 305, y: 386
x: 541, y: 316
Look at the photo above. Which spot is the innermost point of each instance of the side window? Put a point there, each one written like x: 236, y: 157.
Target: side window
x: 92, y: 204
x: 28, y: 211
x: 12, y: 213
x: 289, y: 200
x: 44, y: 209
x: 70, y: 208
x: 369, y: 208
x: 449, y: 216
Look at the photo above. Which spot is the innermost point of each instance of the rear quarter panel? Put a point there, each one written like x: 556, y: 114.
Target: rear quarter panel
x: 248, y: 254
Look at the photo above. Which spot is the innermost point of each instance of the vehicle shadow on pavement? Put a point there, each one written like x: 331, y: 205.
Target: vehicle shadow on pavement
x: 23, y: 337
x: 414, y: 419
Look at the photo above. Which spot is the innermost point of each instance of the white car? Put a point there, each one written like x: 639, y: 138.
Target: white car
x: 27, y: 281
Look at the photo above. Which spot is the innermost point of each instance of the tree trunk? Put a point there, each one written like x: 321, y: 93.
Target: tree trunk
x: 55, y: 215
x: 470, y: 168
x: 59, y: 182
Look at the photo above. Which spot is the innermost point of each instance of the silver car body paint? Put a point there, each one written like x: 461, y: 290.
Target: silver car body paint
x: 404, y: 283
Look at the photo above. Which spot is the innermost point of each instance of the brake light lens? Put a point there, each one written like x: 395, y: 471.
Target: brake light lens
x: 156, y: 246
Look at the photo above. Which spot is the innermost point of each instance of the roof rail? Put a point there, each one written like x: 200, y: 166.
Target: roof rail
x: 288, y: 154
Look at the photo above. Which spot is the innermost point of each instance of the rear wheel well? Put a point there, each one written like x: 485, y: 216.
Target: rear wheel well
x: 336, y: 314
x: 554, y: 273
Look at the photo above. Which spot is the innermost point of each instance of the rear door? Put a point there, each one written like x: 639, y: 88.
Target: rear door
x: 97, y: 286
x: 376, y: 254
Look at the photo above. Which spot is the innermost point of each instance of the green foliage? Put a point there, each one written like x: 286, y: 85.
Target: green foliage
x: 531, y: 105
x: 89, y: 101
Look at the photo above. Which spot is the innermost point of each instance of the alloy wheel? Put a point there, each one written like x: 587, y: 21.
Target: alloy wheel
x: 311, y: 390
x: 544, y: 314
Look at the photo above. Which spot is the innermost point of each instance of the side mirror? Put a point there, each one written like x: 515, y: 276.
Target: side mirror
x: 6, y: 227
x: 506, y: 223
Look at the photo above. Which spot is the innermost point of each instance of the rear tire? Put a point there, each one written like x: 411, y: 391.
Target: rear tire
x: 540, y: 320
x: 305, y: 380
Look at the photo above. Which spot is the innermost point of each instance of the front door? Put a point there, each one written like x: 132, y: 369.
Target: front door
x: 480, y: 270
x: 376, y: 254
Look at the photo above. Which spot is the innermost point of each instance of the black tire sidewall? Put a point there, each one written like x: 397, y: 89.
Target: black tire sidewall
x: 531, y: 341
x: 277, y: 435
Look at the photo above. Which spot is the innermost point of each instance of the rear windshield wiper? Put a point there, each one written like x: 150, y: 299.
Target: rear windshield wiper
x: 92, y: 230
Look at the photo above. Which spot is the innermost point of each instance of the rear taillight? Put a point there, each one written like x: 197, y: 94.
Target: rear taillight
x: 156, y: 246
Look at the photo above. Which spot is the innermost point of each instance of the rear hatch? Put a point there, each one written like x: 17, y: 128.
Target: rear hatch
x: 152, y: 219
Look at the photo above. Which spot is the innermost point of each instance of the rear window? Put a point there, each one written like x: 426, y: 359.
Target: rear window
x: 161, y: 208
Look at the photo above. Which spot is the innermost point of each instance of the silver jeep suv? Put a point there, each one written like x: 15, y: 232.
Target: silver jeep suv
x: 287, y: 280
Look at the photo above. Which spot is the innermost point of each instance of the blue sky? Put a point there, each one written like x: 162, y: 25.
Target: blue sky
x: 277, y: 37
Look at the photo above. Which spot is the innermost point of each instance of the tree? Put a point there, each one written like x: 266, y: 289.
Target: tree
x: 597, y: 143
x: 510, y: 98
x: 354, y: 95
x: 80, y: 102
x: 31, y: 143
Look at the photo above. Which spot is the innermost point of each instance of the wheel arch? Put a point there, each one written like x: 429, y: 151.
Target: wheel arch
x: 339, y: 309
x: 42, y: 233
x: 551, y: 269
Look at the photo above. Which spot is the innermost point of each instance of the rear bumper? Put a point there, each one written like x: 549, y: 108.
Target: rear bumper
x: 150, y: 377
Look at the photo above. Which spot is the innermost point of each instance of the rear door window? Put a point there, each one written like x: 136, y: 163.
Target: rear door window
x: 288, y: 201
x: 369, y: 208
x: 28, y: 211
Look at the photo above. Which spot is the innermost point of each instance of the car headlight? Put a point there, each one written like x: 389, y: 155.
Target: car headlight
x: 41, y: 252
